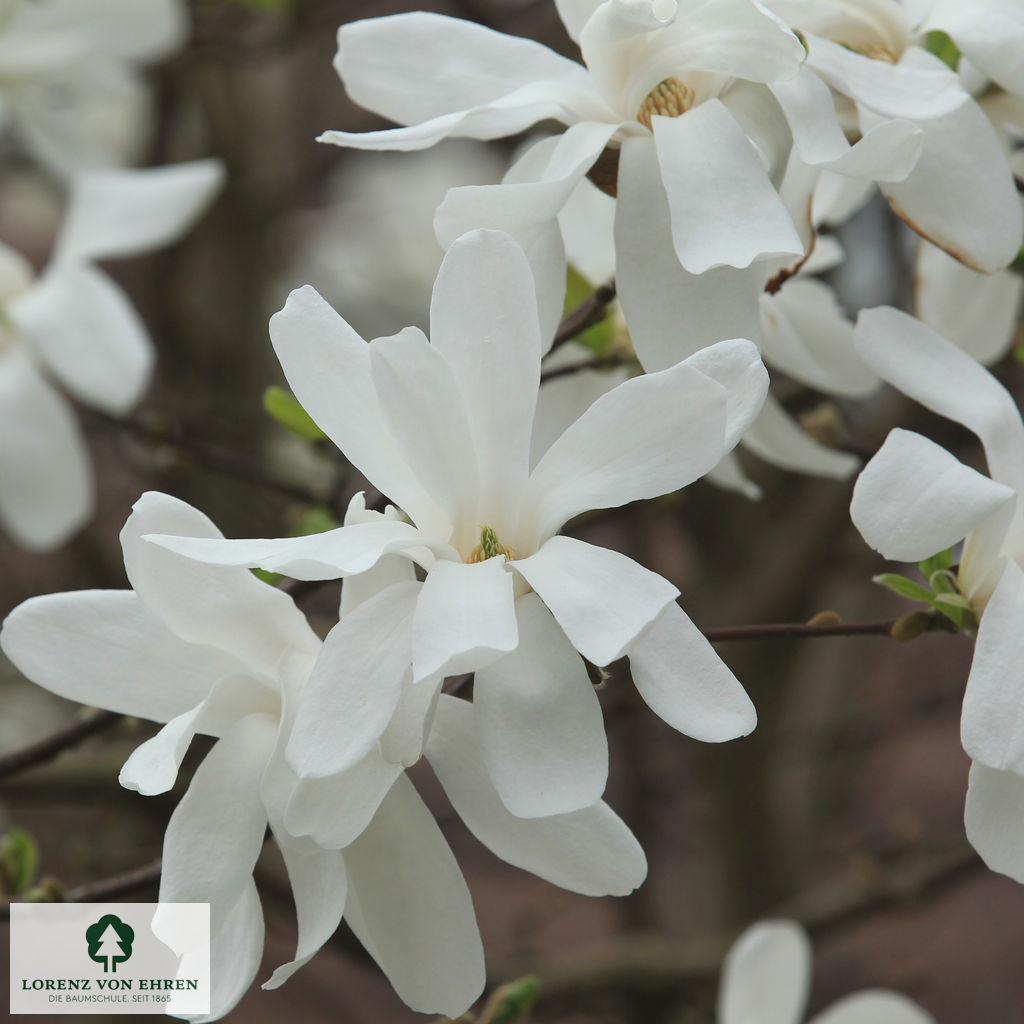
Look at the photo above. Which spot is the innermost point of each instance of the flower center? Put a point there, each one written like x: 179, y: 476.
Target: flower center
x: 669, y: 98
x: 490, y: 546
x: 876, y: 51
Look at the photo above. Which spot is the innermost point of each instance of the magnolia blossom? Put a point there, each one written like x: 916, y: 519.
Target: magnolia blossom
x: 71, y: 88
x: 74, y: 326
x: 914, y: 499
x: 444, y: 429
x: 800, y: 326
x: 213, y: 650
x: 961, y: 193
x: 766, y: 979
x: 687, y: 111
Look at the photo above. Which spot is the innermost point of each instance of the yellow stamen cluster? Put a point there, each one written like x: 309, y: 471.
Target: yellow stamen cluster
x: 490, y: 546
x: 669, y: 98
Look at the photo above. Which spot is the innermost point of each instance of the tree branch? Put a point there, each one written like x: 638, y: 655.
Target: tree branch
x: 50, y: 746
x: 800, y: 630
x: 589, y: 312
x: 597, y: 363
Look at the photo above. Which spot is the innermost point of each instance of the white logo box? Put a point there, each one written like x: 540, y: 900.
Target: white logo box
x: 110, y: 958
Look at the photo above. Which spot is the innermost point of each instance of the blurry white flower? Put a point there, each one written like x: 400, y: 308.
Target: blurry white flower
x: 444, y: 429
x: 766, y: 979
x: 960, y: 194
x: 914, y: 499
x: 71, y: 85
x: 75, y: 325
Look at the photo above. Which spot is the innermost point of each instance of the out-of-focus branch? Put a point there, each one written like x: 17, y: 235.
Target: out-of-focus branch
x: 56, y: 743
x: 589, y: 312
x: 641, y: 965
x: 597, y: 363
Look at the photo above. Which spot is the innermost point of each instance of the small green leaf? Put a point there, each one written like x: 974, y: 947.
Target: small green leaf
x: 317, y: 519
x: 942, y: 601
x: 939, y: 43
x: 273, y: 578
x: 904, y: 587
x: 943, y: 560
x: 285, y: 408
x: 511, y: 1002
x: 601, y: 336
x: 943, y: 582
x: 19, y: 858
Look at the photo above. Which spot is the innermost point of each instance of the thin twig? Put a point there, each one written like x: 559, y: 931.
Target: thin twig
x: 597, y: 363
x: 118, y: 885
x: 50, y: 746
x: 589, y: 312
x: 801, y: 630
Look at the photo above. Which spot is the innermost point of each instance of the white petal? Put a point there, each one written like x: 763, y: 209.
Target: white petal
x: 539, y: 721
x: 88, y: 333
x: 574, y: 14
x: 483, y: 320
x: 153, y: 767
x: 775, y: 437
x: 590, y: 851
x: 348, y: 550
x: 992, y: 725
x: 327, y: 366
x: 417, y: 66
x: 917, y: 93
x: 526, y: 206
x: 116, y: 214
x: 334, y: 811
x: 914, y: 499
x: 600, y: 598
x: 684, y: 682
x: 671, y: 313
x: 977, y: 312
x: 647, y: 437
x: 725, y: 210
x: 766, y: 975
x: 886, y: 153
x: 216, y: 832
x: 729, y: 475
x: 994, y: 818
x: 103, y: 648
x: 226, y: 608
x: 990, y: 33
x: 319, y: 885
x: 355, y: 684
x: 806, y: 334
x: 236, y: 949
x: 426, y: 415
x: 402, y: 741
x: 961, y: 193
x: 409, y: 906
x: 46, y: 481
x: 934, y: 372
x: 874, y: 1007
x: 464, y: 619
x: 736, y: 365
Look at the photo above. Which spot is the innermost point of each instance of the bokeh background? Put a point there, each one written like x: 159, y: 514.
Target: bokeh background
x: 843, y: 809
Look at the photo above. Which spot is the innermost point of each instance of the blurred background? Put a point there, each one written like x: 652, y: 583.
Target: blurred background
x: 843, y: 809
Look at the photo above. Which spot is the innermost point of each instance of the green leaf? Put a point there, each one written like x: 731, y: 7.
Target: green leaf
x: 317, y: 519
x: 285, y: 408
x: 19, y: 858
x: 599, y: 338
x: 512, y: 1002
x: 273, y: 578
x: 942, y: 601
x: 939, y: 43
x: 943, y: 560
x: 904, y: 587
x: 943, y: 582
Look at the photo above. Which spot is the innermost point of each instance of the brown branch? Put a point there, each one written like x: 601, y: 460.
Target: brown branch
x: 589, y: 312
x: 56, y: 743
x: 800, y: 630
x: 597, y: 363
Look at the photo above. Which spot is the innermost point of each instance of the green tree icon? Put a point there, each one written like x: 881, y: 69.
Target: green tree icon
x: 110, y: 942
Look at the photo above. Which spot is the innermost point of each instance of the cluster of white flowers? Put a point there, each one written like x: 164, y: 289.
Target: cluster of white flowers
x: 719, y: 137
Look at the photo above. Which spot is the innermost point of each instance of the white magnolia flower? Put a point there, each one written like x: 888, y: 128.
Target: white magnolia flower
x: 444, y: 429
x: 801, y: 328
x: 914, y: 499
x: 74, y: 326
x: 213, y: 650
x: 71, y: 86
x: 960, y: 194
x: 688, y: 110
x: 766, y: 979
